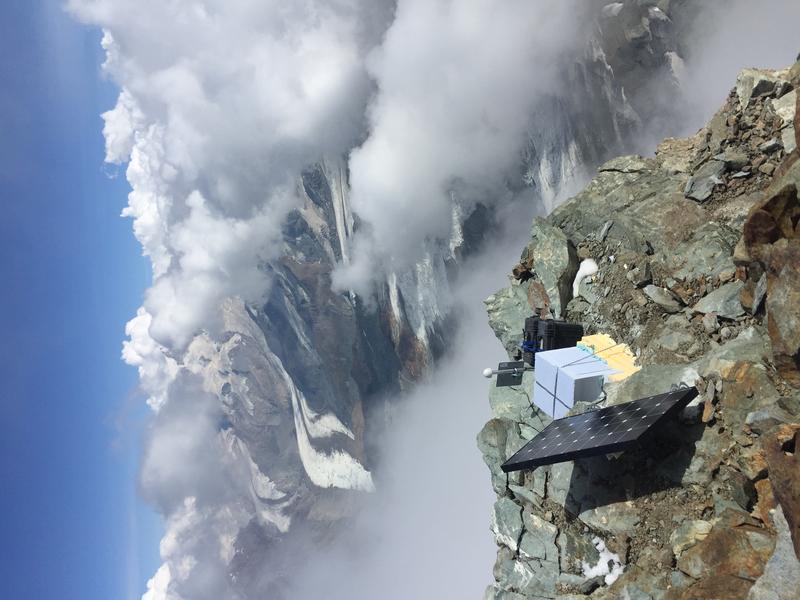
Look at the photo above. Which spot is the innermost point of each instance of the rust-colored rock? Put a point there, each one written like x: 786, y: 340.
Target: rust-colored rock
x: 740, y: 551
x: 720, y: 587
x: 771, y: 236
x: 783, y: 464
x: 708, y: 411
x: 538, y: 298
x: 766, y: 502
x: 783, y: 306
x: 771, y: 219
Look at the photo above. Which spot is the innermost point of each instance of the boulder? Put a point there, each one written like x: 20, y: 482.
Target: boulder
x: 770, y: 146
x: 575, y: 549
x: 688, y: 534
x: 734, y: 160
x: 662, y: 297
x: 740, y: 551
x: 507, y: 310
x: 724, y: 301
x: 785, y: 107
x: 673, y: 340
x: 752, y: 83
x: 556, y: 263
x: 762, y: 420
x: 538, y: 540
x: 701, y: 184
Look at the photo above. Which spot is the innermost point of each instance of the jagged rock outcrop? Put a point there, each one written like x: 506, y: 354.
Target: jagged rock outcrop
x: 699, y: 273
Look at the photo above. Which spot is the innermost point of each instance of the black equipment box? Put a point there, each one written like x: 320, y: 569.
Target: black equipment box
x: 548, y: 334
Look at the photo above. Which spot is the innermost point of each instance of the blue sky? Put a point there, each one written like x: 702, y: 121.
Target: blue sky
x: 72, y: 275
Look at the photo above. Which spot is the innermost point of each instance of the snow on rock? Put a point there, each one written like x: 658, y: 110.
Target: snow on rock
x: 608, y: 565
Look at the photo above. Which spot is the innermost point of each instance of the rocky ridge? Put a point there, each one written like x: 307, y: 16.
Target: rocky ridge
x: 699, y: 273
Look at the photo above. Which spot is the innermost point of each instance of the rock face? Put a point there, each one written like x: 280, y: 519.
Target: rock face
x: 707, y: 508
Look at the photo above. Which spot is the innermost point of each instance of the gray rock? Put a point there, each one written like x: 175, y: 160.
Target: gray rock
x: 534, y: 579
x: 688, y: 534
x: 616, y: 518
x: 663, y: 298
x: 507, y: 523
x: 707, y: 254
x: 590, y: 585
x: 495, y: 593
x: 724, y: 301
x: 507, y: 310
x: 526, y: 494
x: 784, y: 107
x: 589, y: 290
x: 555, y: 262
x: 789, y: 139
x: 575, y: 549
x: 543, y: 533
x: 762, y: 420
x: 749, y: 346
x: 513, y: 402
x: 492, y: 441
x: 770, y: 146
x: 559, y: 481
x: 701, y: 184
x: 781, y: 577
x: 640, y: 276
x: 710, y: 322
x: 752, y: 83
x: 673, y: 340
x: 531, y: 546
x: 604, y: 231
x: 734, y: 160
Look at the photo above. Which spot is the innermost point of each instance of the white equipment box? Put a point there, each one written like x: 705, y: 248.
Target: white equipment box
x: 566, y: 376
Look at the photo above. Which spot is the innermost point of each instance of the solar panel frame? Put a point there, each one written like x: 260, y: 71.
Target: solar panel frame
x: 612, y: 429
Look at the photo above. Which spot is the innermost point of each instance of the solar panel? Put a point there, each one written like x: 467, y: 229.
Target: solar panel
x: 603, y: 431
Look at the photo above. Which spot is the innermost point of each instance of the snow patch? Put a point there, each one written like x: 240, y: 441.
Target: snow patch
x: 337, y: 469
x: 608, y: 565
x: 587, y: 269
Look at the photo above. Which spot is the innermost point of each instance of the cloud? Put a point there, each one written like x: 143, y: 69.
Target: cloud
x: 202, y: 486
x: 156, y: 369
x: 457, y: 84
x: 222, y: 104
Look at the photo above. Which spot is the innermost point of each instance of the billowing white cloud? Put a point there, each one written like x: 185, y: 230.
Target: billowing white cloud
x: 156, y: 369
x: 457, y: 83
x: 222, y: 105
